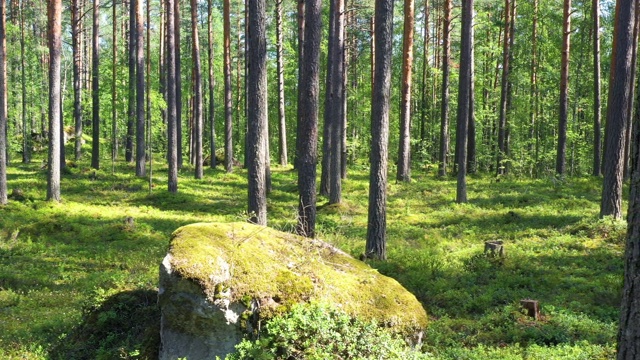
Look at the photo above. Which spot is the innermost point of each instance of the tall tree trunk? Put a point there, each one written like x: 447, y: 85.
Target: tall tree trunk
x: 197, y: 105
x: 149, y: 147
x: 533, y: 90
x: 404, y: 143
x: 444, y: 116
x: 55, y: 51
x: 282, y: 125
x: 178, y: 57
x: 617, y: 104
x: 212, y: 108
x: 464, y: 94
x: 472, y: 166
x: 228, y: 92
x: 307, y: 138
x: 95, y: 87
x: 114, y: 94
x: 141, y: 149
x: 77, y: 91
x: 329, y: 116
x: 257, y: 120
x: 301, y: 31
x: 632, y: 90
x: 54, y: 5
x: 131, y: 99
x: 629, y: 330
x: 502, y: 122
x: 377, y: 224
x: 172, y: 156
x: 597, y: 107
x: 424, y: 104
x: 26, y: 136
x: 337, y: 106
x: 561, y: 158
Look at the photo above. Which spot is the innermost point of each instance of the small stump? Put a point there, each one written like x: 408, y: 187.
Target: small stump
x: 532, y: 308
x: 494, y: 248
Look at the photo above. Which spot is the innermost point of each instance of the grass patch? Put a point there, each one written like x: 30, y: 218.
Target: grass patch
x: 78, y: 272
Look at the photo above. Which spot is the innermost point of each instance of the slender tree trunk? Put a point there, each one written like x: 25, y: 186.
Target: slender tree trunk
x: 561, y: 158
x: 301, y: 31
x: 77, y: 90
x: 377, y: 224
x: 54, y: 5
x: 404, y: 148
x: 472, y: 166
x: 502, y: 122
x: 337, y: 106
x: 228, y: 111
x: 197, y: 105
x: 307, y: 138
x: 149, y: 146
x: 444, y: 116
x: 131, y: 99
x: 329, y: 116
x: 26, y: 136
x: 95, y: 86
x: 114, y: 95
x: 533, y: 90
x: 55, y: 51
x: 172, y: 156
x: 464, y: 102
x: 141, y: 149
x: 178, y: 50
x: 424, y: 104
x: 212, y: 108
x: 282, y: 125
x: 597, y: 107
x: 632, y: 90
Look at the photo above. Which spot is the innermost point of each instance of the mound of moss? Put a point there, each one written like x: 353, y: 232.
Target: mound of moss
x: 250, y: 263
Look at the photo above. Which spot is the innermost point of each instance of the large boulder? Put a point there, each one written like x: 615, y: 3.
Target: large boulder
x: 220, y: 281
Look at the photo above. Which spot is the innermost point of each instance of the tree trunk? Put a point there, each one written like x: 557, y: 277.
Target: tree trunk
x: 444, y: 116
x: 597, y: 107
x: 54, y: 5
x: 464, y: 94
x: 114, y: 94
x: 172, y: 156
x: 301, y: 31
x: 228, y: 111
x: 377, y: 224
x: 178, y: 69
x: 631, y: 127
x: 197, y: 104
x: 618, y: 99
x: 404, y: 143
x: 55, y: 52
x: 257, y: 120
x: 629, y: 330
x: 424, y: 104
x: 95, y: 87
x: 502, y: 122
x: 472, y: 166
x: 282, y: 125
x: 26, y: 136
x: 337, y: 106
x: 131, y: 96
x: 307, y: 138
x: 561, y: 158
x: 533, y: 90
x: 141, y: 149
x: 212, y: 108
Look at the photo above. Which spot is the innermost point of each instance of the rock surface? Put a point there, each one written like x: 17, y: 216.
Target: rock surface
x: 219, y: 280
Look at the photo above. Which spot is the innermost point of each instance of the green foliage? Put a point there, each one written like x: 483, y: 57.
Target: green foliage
x: 318, y: 332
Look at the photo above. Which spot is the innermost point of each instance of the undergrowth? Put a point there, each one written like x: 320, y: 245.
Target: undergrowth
x: 78, y: 279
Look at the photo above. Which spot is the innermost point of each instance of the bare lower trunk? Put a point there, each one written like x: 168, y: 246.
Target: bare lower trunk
x: 404, y: 150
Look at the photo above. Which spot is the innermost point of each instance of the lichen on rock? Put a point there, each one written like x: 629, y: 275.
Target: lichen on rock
x: 240, y: 268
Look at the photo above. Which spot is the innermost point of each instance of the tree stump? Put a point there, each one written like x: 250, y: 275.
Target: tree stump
x: 532, y: 307
x: 494, y: 248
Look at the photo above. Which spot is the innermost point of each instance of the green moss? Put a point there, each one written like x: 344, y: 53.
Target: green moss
x: 280, y: 269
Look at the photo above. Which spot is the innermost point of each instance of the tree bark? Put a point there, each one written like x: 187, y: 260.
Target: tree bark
x: 55, y: 51
x: 131, y: 96
x: 444, y: 116
x: 337, y: 106
x: 404, y: 143
x: 197, y: 105
x: 54, y: 5
x: 95, y: 86
x: 307, y: 139
x: 377, y: 224
x: 597, y: 99
x: 561, y: 158
x: 114, y: 94
x: 631, y: 127
x: 257, y: 120
x: 464, y: 102
x: 77, y: 91
x: 178, y: 69
x: 26, y: 141
x: 502, y: 122
x: 228, y: 111
x: 618, y: 99
x: 172, y: 156
x: 282, y: 125
x: 212, y: 108
x: 141, y: 149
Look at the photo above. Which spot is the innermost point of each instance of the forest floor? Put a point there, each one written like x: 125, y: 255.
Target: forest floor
x: 78, y: 281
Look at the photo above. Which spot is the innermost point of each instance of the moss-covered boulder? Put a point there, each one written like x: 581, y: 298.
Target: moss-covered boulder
x: 220, y: 280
